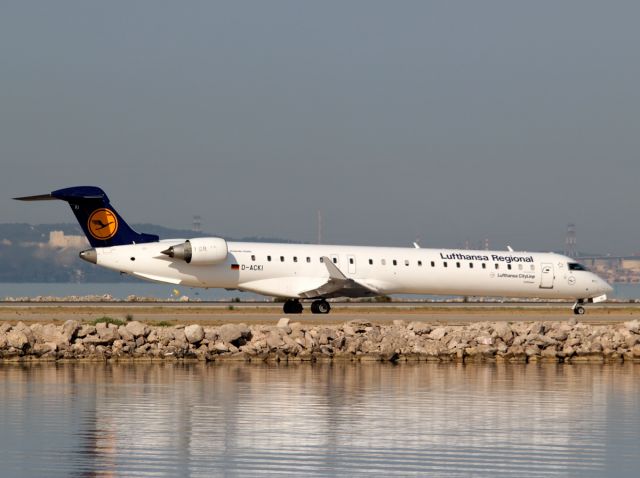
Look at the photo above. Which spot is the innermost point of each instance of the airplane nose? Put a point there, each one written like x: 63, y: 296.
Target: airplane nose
x: 607, y: 288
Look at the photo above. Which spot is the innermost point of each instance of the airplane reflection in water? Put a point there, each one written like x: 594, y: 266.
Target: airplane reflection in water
x: 319, y: 419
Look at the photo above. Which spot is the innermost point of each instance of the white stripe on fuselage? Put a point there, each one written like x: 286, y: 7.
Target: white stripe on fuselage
x: 296, y: 268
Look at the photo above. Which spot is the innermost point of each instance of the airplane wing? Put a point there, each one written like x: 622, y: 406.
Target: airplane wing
x: 339, y: 285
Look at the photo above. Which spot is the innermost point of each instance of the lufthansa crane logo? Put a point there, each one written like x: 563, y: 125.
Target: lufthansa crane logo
x: 103, y: 224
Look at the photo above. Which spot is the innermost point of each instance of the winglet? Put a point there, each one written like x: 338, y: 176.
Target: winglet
x: 334, y: 272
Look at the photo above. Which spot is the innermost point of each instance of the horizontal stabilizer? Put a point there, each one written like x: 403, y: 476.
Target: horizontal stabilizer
x: 40, y: 197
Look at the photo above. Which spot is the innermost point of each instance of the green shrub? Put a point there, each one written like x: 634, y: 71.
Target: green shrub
x: 108, y: 320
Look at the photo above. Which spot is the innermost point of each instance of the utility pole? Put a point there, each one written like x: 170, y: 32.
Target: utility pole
x: 197, y: 223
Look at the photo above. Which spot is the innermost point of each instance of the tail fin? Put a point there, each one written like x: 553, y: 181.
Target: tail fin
x: 102, y: 225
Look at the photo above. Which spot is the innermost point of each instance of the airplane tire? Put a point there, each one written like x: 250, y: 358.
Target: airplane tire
x: 320, y: 307
x: 292, y: 307
x: 579, y: 310
x: 323, y: 307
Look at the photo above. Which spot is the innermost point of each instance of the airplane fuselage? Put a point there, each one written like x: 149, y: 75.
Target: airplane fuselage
x: 288, y: 270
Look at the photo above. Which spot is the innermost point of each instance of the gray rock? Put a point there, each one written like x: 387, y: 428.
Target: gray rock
x: 17, y: 339
x: 125, y: 334
x: 504, y: 332
x: 234, y: 333
x: 420, y: 328
x: 633, y: 326
x: 485, y: 340
x: 70, y: 329
x: 348, y: 330
x: 283, y: 322
x: 137, y: 329
x: 194, y: 333
x: 26, y: 331
x: 218, y: 347
x: 86, y: 330
x: 107, y: 332
x: 359, y: 326
x: 211, y: 334
x: 42, y: 349
x: 438, y: 334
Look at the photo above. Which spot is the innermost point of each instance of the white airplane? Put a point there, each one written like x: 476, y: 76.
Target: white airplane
x: 319, y: 272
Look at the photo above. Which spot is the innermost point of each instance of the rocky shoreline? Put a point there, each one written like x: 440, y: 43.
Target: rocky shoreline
x: 522, y: 342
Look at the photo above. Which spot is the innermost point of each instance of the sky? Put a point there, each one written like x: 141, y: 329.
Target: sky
x: 446, y: 122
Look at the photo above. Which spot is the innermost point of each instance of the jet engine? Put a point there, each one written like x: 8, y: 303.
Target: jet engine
x: 200, y: 251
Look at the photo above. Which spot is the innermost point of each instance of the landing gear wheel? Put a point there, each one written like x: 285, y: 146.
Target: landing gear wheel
x: 320, y: 307
x: 579, y: 310
x: 292, y: 306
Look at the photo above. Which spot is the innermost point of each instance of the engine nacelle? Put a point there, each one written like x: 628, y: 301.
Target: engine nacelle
x: 200, y: 251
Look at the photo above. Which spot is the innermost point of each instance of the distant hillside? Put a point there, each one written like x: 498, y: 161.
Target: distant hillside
x: 27, y: 253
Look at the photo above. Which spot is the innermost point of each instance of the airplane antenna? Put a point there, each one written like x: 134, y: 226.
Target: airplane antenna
x: 510, y: 248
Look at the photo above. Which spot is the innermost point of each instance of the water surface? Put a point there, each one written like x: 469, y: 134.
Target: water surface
x: 346, y: 419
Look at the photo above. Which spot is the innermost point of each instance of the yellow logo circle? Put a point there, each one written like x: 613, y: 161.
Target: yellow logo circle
x: 103, y: 224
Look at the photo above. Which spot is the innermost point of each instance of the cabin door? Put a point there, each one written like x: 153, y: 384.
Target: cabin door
x: 547, y: 276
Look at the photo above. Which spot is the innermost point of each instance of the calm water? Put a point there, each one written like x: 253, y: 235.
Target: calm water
x: 145, y: 289
x: 348, y: 420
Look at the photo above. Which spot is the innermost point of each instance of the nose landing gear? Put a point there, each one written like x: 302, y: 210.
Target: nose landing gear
x: 578, y: 309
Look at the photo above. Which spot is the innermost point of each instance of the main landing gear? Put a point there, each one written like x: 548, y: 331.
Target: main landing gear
x: 320, y: 307
x: 293, y: 306
x: 578, y: 309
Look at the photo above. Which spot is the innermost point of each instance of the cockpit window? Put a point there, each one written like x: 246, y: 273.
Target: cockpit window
x: 574, y: 266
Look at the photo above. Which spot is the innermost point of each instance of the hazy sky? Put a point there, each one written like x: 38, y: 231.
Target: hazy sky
x: 448, y: 121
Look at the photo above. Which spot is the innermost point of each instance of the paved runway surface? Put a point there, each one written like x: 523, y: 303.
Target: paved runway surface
x: 269, y: 313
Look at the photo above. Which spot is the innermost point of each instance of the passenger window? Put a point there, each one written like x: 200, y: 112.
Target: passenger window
x: 295, y: 259
x: 395, y: 262
x: 281, y: 258
x: 335, y: 260
x: 269, y: 258
x: 406, y: 263
x: 519, y: 266
x: 322, y: 259
x: 419, y: 263
x: 484, y: 266
x: 351, y: 260
x: 533, y: 268
x: 497, y: 265
x: 458, y: 265
x: 509, y: 266
x: 384, y: 262
x: 308, y: 259
x: 445, y: 264
x: 470, y: 265
x: 253, y: 258
x: 370, y: 262
x: 433, y: 264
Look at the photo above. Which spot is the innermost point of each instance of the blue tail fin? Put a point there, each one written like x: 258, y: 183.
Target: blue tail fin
x: 101, y: 223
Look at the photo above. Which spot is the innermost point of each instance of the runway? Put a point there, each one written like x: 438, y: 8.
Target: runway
x: 215, y: 313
